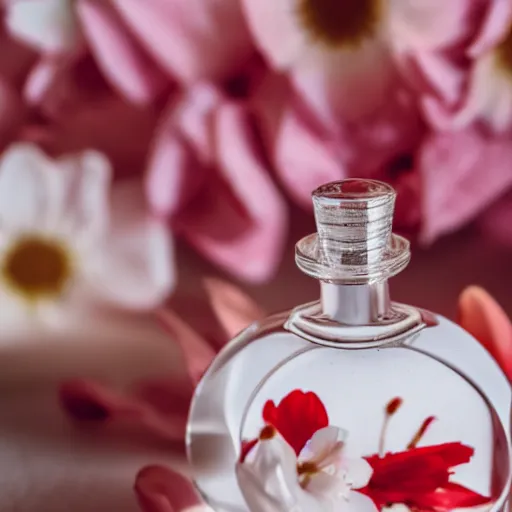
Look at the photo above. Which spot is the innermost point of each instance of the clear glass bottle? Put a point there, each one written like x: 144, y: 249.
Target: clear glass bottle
x: 382, y: 370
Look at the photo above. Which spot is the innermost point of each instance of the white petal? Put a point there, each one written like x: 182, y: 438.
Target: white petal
x: 277, y: 30
x: 329, y: 489
x: 82, y: 193
x: 358, y: 472
x: 323, y: 443
x: 134, y: 267
x: 24, y: 188
x: 268, y: 479
x: 48, y: 25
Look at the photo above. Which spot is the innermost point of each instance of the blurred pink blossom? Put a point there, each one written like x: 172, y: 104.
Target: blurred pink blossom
x: 345, y: 57
x: 488, y: 98
x: 208, y: 173
x: 307, y: 152
x: 68, y: 246
x: 160, y: 405
x: 138, y: 49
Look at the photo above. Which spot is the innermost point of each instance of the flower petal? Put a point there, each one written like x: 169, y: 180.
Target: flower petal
x: 25, y: 169
x: 494, y: 28
x: 189, y: 38
x: 297, y: 417
x: 305, y: 157
x: 161, y: 489
x: 82, y: 196
x: 497, y: 221
x: 239, y: 221
x: 277, y: 30
x: 456, y: 160
x: 49, y: 26
x: 196, y: 351
x: 90, y: 401
x: 121, y: 59
x: 484, y: 318
x: 182, y: 149
x: 135, y: 268
x: 323, y: 443
x: 268, y: 478
x: 234, y: 309
x: 429, y: 24
x: 347, y: 84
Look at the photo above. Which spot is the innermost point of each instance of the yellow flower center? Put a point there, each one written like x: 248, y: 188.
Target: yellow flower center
x: 504, y: 53
x: 337, y: 23
x: 37, y: 267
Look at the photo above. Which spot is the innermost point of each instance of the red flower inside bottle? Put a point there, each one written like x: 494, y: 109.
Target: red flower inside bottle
x: 299, y: 462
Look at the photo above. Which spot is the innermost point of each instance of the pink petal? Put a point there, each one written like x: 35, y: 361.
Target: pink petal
x: 239, y: 220
x: 347, y: 84
x: 430, y: 24
x: 172, y: 164
x: 435, y: 74
x: 89, y: 401
x: 183, y: 149
x: 193, y: 40
x: 233, y: 307
x: 277, y: 31
x: 455, y: 189
x: 160, y: 489
x: 483, y: 317
x: 121, y: 60
x: 305, y: 157
x: 494, y: 28
x: 196, y: 351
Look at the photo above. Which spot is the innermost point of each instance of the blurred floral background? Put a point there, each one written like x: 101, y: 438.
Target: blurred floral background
x: 147, y: 144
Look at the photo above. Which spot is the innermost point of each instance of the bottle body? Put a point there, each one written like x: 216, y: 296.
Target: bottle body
x: 435, y: 371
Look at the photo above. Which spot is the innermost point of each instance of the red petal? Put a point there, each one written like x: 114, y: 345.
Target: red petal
x: 159, y: 489
x: 297, y: 417
x: 158, y: 406
x: 452, y: 496
x: 247, y: 446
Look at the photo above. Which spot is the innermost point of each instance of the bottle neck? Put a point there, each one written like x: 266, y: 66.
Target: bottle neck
x: 355, y: 304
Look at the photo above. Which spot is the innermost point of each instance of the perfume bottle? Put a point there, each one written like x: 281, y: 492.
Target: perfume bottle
x: 352, y: 402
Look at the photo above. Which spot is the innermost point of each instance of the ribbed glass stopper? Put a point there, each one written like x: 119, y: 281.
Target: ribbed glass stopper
x: 354, y: 240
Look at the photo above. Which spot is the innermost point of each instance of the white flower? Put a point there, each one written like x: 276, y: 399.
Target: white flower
x: 272, y: 478
x: 67, y: 245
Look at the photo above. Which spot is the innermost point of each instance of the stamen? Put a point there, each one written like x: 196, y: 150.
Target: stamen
x: 421, y: 432
x: 338, y: 23
x: 268, y: 432
x: 391, y: 408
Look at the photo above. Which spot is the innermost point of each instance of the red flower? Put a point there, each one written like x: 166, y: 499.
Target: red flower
x: 419, y: 478
x: 297, y: 417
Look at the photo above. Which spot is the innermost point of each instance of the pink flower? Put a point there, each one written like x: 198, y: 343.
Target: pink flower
x: 209, y: 175
x: 136, y: 48
x: 343, y: 55
x: 489, y: 95
x: 67, y: 246
x: 306, y: 151
x: 160, y: 405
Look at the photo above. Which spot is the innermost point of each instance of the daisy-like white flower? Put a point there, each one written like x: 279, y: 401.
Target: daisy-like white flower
x: 298, y: 462
x: 67, y: 245
x: 272, y: 477
x: 343, y: 54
